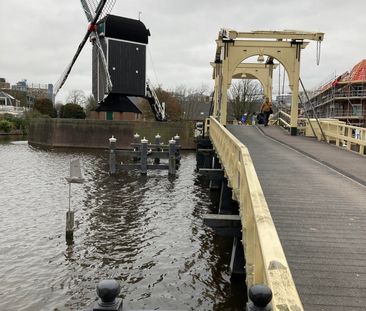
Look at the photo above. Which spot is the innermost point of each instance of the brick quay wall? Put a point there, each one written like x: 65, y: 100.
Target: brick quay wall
x: 76, y: 133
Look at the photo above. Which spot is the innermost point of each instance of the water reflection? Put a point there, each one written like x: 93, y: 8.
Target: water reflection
x: 146, y: 232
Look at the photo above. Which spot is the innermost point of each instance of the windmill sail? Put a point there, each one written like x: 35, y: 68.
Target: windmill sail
x: 99, y: 11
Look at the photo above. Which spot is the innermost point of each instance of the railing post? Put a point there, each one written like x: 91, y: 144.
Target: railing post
x: 107, y: 291
x: 112, y: 155
x: 260, y: 297
x: 349, y: 134
x: 144, y: 143
x: 172, y: 160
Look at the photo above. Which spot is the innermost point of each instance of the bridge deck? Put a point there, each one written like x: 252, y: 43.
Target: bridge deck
x: 319, y: 213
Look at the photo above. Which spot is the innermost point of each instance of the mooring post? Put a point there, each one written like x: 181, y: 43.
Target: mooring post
x: 136, y: 140
x: 69, y: 226
x: 260, y: 297
x: 172, y: 159
x: 144, y: 143
x: 107, y: 291
x: 112, y: 155
x: 177, y: 147
x: 157, y: 142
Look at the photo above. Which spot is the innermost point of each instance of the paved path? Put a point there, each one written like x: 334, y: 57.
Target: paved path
x: 319, y: 213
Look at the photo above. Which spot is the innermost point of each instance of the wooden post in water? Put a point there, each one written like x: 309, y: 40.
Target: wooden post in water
x: 112, y: 155
x: 157, y: 142
x: 75, y: 177
x: 144, y: 143
x: 172, y: 161
x: 136, y: 140
x: 177, y: 148
x: 69, y: 226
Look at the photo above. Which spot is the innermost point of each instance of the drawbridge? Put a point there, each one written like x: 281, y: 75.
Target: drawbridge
x: 300, y: 185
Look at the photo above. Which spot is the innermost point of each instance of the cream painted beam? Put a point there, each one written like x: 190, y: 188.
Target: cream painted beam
x: 279, y: 35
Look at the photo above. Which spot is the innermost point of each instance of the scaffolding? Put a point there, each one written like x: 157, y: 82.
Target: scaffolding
x: 343, y: 97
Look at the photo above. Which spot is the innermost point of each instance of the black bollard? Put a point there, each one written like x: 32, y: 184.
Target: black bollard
x: 260, y: 297
x: 107, y: 291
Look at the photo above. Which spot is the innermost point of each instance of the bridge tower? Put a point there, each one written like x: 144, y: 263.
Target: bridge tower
x: 234, y: 47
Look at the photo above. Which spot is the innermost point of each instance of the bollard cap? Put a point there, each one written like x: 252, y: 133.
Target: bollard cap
x: 136, y: 136
x: 172, y: 141
x: 157, y: 136
x: 112, y: 139
x: 107, y: 291
x: 144, y: 141
x: 260, y: 295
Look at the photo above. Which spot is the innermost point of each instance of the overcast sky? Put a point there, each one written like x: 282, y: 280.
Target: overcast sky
x: 39, y: 37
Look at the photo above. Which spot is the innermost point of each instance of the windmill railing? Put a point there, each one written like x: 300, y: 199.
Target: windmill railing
x: 265, y: 260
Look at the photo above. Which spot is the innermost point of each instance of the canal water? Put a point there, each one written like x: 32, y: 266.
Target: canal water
x: 146, y: 232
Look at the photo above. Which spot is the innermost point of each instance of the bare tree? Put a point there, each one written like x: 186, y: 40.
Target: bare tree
x: 91, y: 104
x: 77, y: 97
x: 244, y: 96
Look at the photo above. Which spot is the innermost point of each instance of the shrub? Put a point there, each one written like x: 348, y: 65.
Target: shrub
x: 72, y: 111
x: 45, y: 106
x: 6, y: 126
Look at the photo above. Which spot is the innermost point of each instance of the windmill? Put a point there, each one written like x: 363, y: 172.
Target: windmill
x: 118, y: 58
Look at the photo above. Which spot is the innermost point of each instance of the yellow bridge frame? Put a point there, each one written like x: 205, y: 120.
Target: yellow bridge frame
x: 261, y: 72
x: 234, y: 47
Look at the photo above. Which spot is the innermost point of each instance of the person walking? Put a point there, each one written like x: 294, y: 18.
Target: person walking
x: 266, y: 109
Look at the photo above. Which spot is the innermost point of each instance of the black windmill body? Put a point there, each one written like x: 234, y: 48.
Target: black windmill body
x: 119, y: 58
x: 123, y: 41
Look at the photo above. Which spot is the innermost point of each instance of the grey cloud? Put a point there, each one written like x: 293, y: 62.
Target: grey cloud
x: 42, y: 36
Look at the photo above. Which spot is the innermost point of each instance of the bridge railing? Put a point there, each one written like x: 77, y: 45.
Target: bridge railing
x: 265, y: 260
x: 283, y: 119
x: 335, y: 131
x: 349, y: 136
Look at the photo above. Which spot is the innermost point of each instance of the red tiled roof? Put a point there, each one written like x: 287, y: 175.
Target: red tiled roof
x: 358, y: 72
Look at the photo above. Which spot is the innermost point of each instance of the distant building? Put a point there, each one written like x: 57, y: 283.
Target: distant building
x: 343, y: 98
x: 34, y: 90
x: 7, y: 100
x: 195, y: 107
x: 41, y: 91
x: 10, y: 105
x: 4, y: 85
x: 20, y: 86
